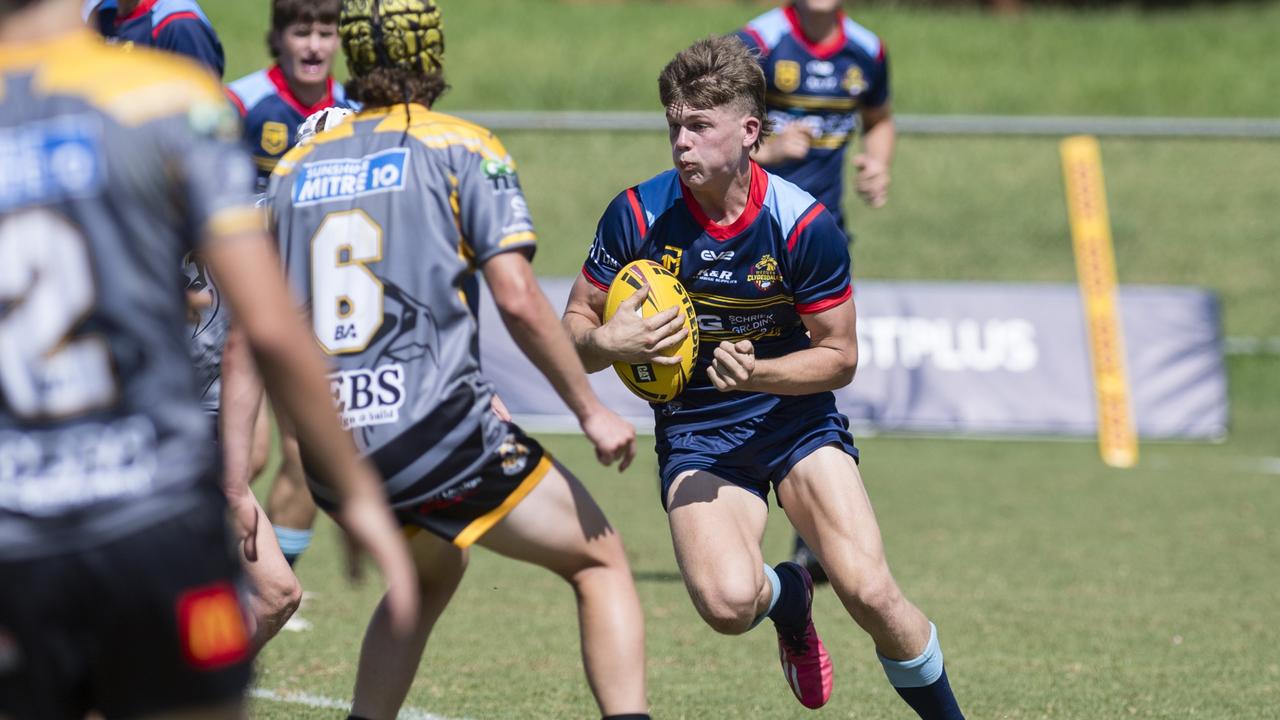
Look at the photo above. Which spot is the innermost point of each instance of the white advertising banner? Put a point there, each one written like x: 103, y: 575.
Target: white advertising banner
x: 965, y: 358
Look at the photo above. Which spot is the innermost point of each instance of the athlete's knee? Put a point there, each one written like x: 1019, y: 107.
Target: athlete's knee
x: 729, y: 608
x: 876, y: 595
x: 281, y: 597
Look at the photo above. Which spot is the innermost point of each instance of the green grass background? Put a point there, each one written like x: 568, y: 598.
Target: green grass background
x: 1063, y: 589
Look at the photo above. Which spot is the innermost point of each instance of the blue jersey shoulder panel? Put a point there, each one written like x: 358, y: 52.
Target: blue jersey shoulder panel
x: 862, y: 38
x: 787, y: 203
x: 658, y: 194
x: 770, y: 27
x: 252, y: 89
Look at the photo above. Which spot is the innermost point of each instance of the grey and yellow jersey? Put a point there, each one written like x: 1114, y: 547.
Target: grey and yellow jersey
x: 114, y: 163
x: 380, y: 222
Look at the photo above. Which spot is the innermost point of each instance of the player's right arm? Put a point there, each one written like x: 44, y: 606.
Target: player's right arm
x: 531, y: 321
x: 626, y: 337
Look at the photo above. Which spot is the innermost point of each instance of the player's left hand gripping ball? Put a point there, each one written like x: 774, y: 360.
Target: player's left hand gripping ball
x: 654, y: 381
x: 732, y: 365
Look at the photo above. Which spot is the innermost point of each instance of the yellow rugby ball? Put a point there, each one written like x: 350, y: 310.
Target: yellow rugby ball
x: 649, y: 381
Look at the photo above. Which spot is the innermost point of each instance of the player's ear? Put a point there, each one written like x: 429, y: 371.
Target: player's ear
x: 750, y: 130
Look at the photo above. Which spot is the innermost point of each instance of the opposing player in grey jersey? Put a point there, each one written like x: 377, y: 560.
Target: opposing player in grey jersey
x: 119, y: 591
x: 379, y: 222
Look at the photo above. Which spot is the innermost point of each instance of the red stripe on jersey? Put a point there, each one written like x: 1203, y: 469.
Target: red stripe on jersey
x: 755, y: 201
x: 155, y: 32
x: 594, y: 281
x: 822, y: 50
x: 880, y: 55
x: 758, y: 38
x: 804, y: 223
x: 235, y: 100
x: 820, y: 305
x: 636, y: 210
x: 143, y: 8
x: 277, y: 78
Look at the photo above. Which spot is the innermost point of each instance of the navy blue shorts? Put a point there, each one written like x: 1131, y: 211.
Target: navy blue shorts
x: 755, y: 453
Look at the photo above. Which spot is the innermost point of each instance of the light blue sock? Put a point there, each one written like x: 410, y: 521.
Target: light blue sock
x: 293, y: 542
x: 776, y: 585
x: 917, y: 672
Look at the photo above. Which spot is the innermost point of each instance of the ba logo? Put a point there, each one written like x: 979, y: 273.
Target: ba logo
x: 275, y: 137
x: 671, y: 259
x: 765, y: 273
x: 786, y: 75
x: 854, y: 82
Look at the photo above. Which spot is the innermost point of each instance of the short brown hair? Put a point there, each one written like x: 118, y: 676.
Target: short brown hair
x: 287, y: 12
x: 382, y: 87
x: 717, y: 70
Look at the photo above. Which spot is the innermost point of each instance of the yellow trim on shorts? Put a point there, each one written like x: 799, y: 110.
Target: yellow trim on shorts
x: 482, y: 524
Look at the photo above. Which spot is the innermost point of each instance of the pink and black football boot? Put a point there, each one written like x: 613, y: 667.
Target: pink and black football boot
x: 805, y: 663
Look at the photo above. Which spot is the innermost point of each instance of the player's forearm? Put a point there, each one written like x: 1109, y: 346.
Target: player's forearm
x: 237, y: 412
x: 539, y: 335
x: 805, y: 372
x: 878, y: 140
x: 583, y: 332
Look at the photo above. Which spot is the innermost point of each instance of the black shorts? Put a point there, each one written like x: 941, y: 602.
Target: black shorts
x: 148, y: 623
x: 465, y: 511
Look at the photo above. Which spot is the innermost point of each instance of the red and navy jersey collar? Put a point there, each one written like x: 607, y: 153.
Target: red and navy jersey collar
x: 143, y: 8
x: 755, y: 201
x: 823, y: 50
x: 277, y: 78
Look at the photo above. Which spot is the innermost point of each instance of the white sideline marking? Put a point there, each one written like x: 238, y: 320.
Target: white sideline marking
x: 319, y: 701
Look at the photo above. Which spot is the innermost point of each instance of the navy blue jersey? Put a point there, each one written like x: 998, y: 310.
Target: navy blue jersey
x: 178, y: 26
x: 272, y: 115
x: 823, y: 86
x: 784, y: 257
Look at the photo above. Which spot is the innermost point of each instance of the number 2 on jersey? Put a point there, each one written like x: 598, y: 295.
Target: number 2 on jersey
x: 46, y: 291
x: 346, y: 298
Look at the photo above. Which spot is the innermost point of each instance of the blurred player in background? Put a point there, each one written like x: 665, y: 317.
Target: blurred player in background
x: 379, y: 222
x: 826, y: 75
x: 120, y: 591
x: 178, y: 26
x: 767, y: 269
x: 276, y: 100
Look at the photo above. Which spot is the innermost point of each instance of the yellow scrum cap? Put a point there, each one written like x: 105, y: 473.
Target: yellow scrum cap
x: 393, y: 34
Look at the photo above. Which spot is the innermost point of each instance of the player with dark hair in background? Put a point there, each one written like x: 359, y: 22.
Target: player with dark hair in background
x: 767, y: 269
x: 120, y: 592
x: 275, y: 101
x: 827, y: 78
x: 379, y: 223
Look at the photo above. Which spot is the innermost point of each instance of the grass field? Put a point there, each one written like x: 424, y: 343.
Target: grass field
x: 1062, y: 589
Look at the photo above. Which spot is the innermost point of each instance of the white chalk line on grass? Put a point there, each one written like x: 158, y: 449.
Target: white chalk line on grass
x: 326, y: 703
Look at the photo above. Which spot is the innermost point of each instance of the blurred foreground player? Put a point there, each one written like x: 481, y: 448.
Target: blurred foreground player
x: 767, y: 269
x: 379, y: 223
x: 119, y: 585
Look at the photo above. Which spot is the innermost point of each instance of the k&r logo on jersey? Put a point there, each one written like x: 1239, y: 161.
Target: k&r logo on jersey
x: 368, y: 397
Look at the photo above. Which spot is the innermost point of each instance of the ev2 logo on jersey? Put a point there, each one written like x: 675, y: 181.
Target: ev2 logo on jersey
x: 368, y: 397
